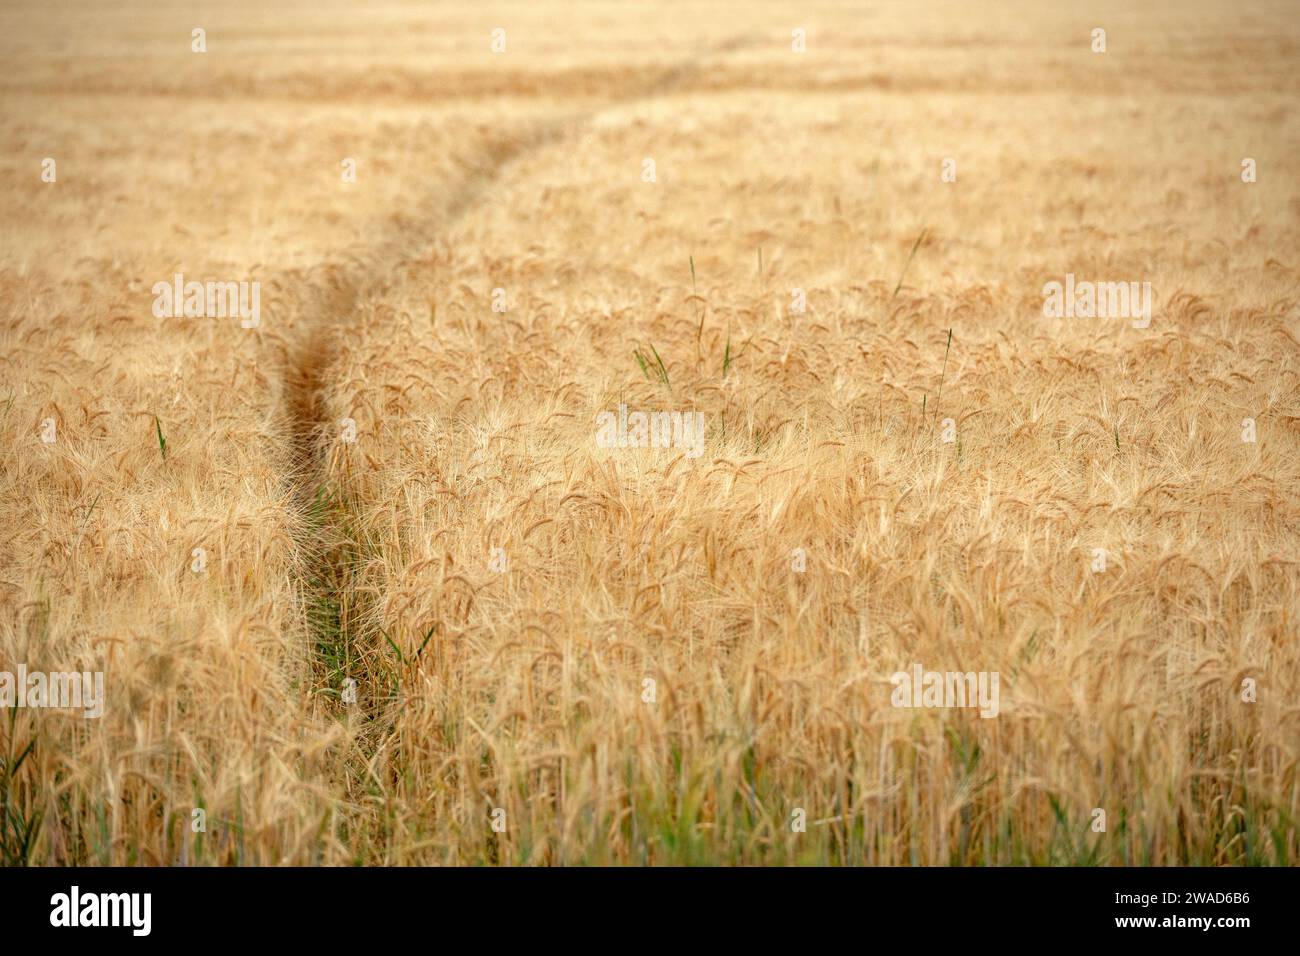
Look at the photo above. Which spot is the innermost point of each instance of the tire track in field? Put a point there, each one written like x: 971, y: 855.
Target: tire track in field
x: 346, y: 287
x: 333, y: 544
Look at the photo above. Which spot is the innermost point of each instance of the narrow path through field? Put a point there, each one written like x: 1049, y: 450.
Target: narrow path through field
x: 337, y: 609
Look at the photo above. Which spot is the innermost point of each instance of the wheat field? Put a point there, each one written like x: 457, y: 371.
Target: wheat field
x: 367, y: 587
